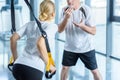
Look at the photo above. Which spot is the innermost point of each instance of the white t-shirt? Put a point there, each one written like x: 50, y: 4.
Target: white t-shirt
x: 31, y: 56
x: 77, y: 40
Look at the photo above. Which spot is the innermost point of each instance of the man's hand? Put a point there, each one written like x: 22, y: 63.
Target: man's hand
x: 68, y: 12
x: 88, y: 29
x: 80, y: 25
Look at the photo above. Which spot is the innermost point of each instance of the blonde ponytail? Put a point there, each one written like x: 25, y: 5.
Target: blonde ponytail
x: 43, y: 16
x: 47, y: 7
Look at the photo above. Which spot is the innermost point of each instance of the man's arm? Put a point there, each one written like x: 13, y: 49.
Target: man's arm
x: 88, y: 29
x: 13, y: 45
x: 62, y: 25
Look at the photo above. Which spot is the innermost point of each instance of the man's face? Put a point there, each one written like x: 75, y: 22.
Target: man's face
x: 72, y: 2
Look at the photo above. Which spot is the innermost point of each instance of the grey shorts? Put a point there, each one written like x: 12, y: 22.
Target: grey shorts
x: 88, y: 58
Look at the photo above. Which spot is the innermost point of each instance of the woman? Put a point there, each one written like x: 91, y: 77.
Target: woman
x: 30, y: 65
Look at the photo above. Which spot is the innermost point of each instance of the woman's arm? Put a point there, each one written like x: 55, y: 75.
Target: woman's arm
x: 43, y: 52
x: 42, y: 49
x: 13, y: 45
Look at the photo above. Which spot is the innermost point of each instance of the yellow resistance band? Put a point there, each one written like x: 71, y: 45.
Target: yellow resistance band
x: 50, y: 62
x: 11, y: 60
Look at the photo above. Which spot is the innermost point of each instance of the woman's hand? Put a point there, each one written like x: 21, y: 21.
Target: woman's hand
x: 52, y: 69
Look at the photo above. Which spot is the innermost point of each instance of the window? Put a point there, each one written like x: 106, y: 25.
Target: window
x: 25, y: 12
x: 99, y: 10
x: 114, y: 71
x: 116, y: 40
x: 117, y: 7
x: 98, y: 3
x: 2, y: 2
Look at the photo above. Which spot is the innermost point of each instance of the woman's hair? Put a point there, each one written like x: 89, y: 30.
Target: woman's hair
x: 47, y: 8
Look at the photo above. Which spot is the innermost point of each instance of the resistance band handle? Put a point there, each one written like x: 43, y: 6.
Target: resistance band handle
x: 11, y: 62
x: 10, y: 65
x: 49, y: 75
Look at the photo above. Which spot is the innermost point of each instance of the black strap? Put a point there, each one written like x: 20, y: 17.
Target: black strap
x: 13, y: 29
x: 10, y: 66
x: 39, y: 25
x: 13, y: 17
x: 83, y: 11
